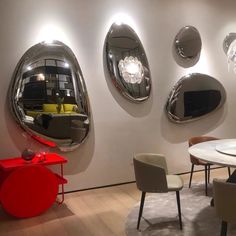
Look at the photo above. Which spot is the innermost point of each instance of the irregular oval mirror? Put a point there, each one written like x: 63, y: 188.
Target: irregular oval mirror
x: 187, y: 46
x: 48, y: 96
x: 127, y: 63
x: 194, y: 96
x: 229, y: 39
x: 229, y: 47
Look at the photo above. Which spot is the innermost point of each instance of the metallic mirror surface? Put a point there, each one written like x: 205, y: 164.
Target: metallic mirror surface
x: 48, y: 96
x: 194, y: 96
x: 187, y: 45
x: 127, y: 63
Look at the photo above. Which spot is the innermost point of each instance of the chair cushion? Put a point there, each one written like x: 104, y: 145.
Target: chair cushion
x: 69, y: 107
x: 174, y: 182
x: 52, y: 108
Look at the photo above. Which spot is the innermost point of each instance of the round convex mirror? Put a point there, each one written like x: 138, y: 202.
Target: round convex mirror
x: 194, y: 96
x: 187, y: 46
x: 48, y: 96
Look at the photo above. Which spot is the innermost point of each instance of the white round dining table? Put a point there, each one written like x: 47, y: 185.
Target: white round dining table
x: 220, y: 152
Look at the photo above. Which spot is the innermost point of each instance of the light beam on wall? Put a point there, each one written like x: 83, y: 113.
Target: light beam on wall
x: 51, y: 32
x: 122, y: 18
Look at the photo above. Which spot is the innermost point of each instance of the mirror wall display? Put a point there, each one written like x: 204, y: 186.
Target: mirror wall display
x: 48, y: 96
x: 127, y: 63
x: 194, y: 96
x: 187, y: 46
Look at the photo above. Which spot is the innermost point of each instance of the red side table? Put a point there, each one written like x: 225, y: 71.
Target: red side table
x: 28, y: 189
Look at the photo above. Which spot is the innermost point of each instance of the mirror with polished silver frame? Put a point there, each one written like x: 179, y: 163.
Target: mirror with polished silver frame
x: 229, y: 39
x: 194, y: 96
x: 229, y: 47
x: 187, y: 46
x: 48, y: 96
x: 127, y: 63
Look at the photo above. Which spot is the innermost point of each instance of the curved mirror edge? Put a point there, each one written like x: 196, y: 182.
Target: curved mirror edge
x: 187, y: 46
x: 227, y: 41
x: 78, y: 87
x: 127, y: 64
x: 173, y: 97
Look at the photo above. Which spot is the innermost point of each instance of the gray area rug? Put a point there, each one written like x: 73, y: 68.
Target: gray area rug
x: 160, y: 215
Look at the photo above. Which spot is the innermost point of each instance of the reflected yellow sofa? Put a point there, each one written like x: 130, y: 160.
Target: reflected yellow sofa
x: 53, y: 109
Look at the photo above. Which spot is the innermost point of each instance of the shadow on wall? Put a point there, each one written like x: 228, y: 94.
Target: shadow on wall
x: 136, y: 110
x: 178, y: 133
x: 185, y: 63
x: 78, y: 160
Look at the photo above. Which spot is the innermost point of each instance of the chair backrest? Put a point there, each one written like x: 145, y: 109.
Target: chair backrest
x: 150, y: 172
x: 195, y: 140
x: 225, y: 200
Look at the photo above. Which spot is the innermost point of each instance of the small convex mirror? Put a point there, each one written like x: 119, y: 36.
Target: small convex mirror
x: 229, y: 47
x: 48, y: 96
x: 187, y: 46
x: 194, y: 96
x: 127, y: 63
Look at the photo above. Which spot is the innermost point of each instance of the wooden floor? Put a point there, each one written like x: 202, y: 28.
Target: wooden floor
x: 100, y: 212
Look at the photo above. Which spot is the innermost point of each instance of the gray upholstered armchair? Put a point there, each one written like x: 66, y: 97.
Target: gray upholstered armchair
x: 225, y: 202
x: 152, y: 176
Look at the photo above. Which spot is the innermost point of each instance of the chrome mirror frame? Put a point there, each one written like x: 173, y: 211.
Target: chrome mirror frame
x: 127, y: 63
x: 184, y: 98
x: 48, y: 96
x: 187, y: 46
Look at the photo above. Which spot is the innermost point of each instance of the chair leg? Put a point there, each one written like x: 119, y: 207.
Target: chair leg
x: 206, y: 179
x: 141, y: 208
x: 191, y: 175
x: 223, y: 228
x: 179, y: 209
x: 229, y: 171
x: 209, y: 173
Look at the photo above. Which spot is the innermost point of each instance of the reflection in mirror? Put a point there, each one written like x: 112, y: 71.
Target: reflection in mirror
x: 48, y: 96
x: 229, y: 46
x: 187, y: 46
x: 194, y: 95
x: 127, y: 63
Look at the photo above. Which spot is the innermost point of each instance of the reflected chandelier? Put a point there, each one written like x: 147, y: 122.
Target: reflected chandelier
x: 131, y: 70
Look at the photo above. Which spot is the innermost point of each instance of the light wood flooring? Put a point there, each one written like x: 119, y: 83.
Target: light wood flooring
x: 98, y: 212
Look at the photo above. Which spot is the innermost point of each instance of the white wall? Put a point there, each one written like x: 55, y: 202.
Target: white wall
x: 119, y: 127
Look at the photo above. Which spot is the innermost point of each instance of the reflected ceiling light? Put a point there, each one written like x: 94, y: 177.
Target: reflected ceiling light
x: 49, y: 41
x: 131, y: 70
x: 66, y: 65
x: 40, y: 77
x: 29, y: 68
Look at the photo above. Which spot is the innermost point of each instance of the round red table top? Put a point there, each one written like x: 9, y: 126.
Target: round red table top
x: 29, y: 191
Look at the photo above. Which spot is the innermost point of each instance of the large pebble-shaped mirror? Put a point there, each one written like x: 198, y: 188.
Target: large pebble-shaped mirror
x: 48, y: 96
x: 194, y: 96
x: 187, y: 46
x: 127, y: 63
